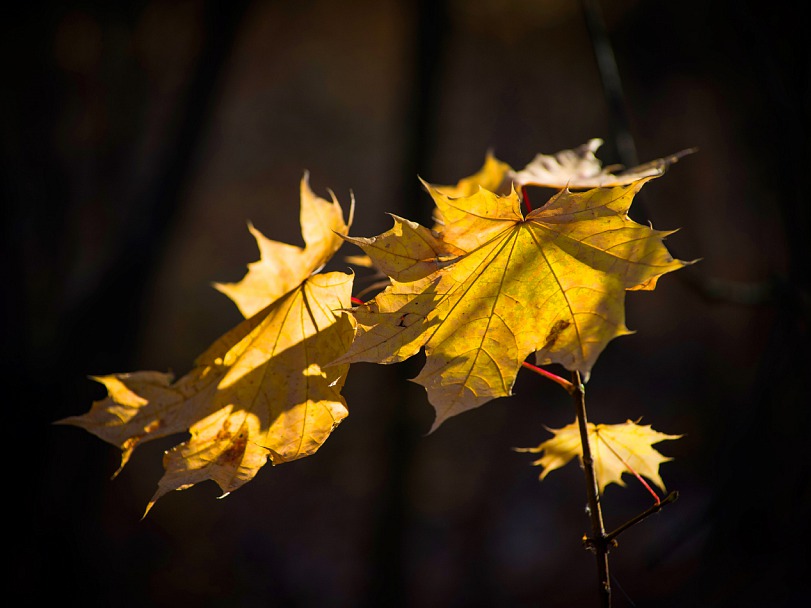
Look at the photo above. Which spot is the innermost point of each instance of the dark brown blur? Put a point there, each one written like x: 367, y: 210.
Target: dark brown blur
x: 139, y: 141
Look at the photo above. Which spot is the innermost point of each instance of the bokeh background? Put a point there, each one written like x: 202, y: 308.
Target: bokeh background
x: 138, y: 139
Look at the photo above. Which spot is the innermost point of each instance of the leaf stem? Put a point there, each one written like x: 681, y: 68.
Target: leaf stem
x: 598, y: 542
x: 553, y: 377
x: 356, y: 300
x: 631, y: 469
x: 524, y: 195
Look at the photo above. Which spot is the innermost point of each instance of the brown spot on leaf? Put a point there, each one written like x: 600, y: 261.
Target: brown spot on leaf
x: 224, y: 433
x: 554, y: 333
x: 233, y: 455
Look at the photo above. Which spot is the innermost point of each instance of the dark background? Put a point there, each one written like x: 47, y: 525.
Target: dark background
x: 139, y: 139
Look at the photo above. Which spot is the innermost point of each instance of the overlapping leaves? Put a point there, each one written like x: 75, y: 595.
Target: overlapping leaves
x: 262, y: 391
x: 481, y: 290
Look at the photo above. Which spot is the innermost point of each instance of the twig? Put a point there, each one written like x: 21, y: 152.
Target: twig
x: 597, y: 542
x: 711, y: 289
x: 612, y: 84
x: 655, y: 508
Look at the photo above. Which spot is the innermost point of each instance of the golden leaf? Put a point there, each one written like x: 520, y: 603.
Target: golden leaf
x: 282, y: 267
x: 493, y: 286
x: 615, y: 448
x: 262, y: 390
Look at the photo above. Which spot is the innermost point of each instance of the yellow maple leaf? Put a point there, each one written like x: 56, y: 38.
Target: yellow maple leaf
x: 615, y: 448
x: 262, y: 390
x: 281, y: 267
x: 493, y: 286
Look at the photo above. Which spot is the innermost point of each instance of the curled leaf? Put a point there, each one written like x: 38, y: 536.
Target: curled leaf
x: 579, y: 169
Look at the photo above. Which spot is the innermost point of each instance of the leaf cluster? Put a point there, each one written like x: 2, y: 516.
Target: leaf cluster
x: 489, y: 284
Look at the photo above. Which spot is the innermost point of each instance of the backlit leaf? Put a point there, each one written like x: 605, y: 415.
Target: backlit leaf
x: 492, y: 286
x: 262, y: 390
x: 615, y: 448
x: 282, y: 267
x: 580, y: 169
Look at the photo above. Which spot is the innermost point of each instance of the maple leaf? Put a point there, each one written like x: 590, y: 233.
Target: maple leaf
x: 263, y: 389
x: 493, y: 176
x: 615, y: 448
x: 580, y: 169
x: 494, y: 286
x: 282, y: 267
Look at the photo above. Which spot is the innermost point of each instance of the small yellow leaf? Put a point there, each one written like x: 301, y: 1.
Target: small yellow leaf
x: 615, y: 448
x: 494, y: 176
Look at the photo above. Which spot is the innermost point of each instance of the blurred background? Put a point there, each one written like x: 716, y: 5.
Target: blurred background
x: 139, y: 139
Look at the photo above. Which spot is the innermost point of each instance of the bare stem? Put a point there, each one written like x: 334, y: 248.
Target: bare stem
x: 527, y: 204
x: 628, y: 466
x: 598, y: 542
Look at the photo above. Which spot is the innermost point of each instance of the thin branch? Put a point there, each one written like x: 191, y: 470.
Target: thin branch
x: 597, y: 542
x: 712, y: 289
x: 612, y: 84
x: 642, y: 516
